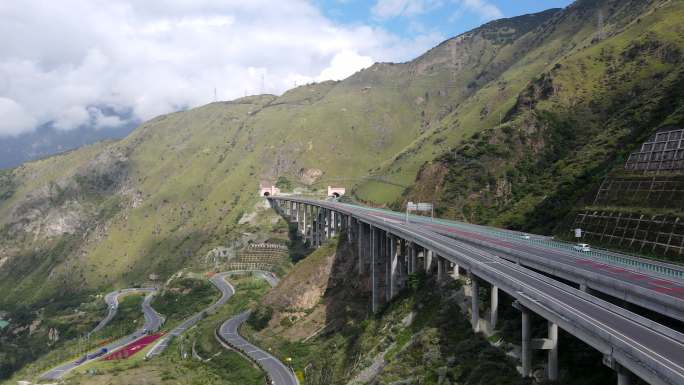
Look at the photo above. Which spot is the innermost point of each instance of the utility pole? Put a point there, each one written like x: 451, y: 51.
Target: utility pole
x: 215, y: 97
x: 263, y: 84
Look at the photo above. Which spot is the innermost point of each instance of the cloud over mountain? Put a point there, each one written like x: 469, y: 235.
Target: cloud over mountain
x: 89, y: 62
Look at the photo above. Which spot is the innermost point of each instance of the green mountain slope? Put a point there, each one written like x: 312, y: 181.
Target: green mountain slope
x: 514, y: 123
x: 572, y: 110
x: 112, y: 213
x: 511, y: 117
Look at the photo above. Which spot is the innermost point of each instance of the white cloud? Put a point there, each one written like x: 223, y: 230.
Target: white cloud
x: 345, y: 64
x: 152, y: 57
x: 14, y: 118
x: 385, y: 9
x: 482, y: 8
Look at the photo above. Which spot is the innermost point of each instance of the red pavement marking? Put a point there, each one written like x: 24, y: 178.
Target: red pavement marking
x: 637, y: 276
x: 132, y: 348
x: 662, y: 282
x: 675, y: 291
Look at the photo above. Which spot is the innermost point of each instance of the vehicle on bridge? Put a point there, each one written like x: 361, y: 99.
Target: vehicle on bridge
x: 583, y: 247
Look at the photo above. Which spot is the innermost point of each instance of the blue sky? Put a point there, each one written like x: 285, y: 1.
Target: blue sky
x: 409, y: 18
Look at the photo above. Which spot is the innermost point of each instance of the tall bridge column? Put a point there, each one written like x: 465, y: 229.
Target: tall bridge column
x: 552, y: 364
x: 624, y: 375
x: 297, y: 209
x: 526, y: 347
x: 403, y: 263
x: 456, y: 274
x: 528, y: 343
x: 320, y: 230
x: 362, y: 239
x: 428, y: 261
x: 387, y: 263
x: 394, y: 267
x: 494, y: 307
x: 302, y: 229
x: 441, y: 268
x: 413, y: 256
x: 315, y: 220
x: 475, y: 302
x: 375, y: 273
x: 333, y: 223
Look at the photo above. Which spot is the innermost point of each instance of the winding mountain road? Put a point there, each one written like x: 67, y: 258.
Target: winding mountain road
x: 153, y: 321
x: 227, y: 291
x: 229, y: 337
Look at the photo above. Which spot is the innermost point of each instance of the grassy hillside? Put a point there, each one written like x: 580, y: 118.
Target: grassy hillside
x: 571, y: 113
x: 112, y: 213
x: 510, y: 124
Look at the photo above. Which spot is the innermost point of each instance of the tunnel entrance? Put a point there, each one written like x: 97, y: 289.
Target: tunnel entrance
x: 336, y: 195
x: 267, y: 193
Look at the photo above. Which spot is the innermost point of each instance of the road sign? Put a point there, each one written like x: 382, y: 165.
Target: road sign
x: 578, y: 233
x: 424, y: 207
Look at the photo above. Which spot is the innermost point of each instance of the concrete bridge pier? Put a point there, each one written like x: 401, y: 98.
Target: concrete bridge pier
x: 456, y: 272
x: 441, y: 268
x: 375, y: 269
x: 403, y: 263
x: 413, y: 257
x: 475, y: 302
x: 624, y: 376
x: 362, y: 241
x: 528, y: 343
x: 326, y: 223
x: 386, y: 250
x: 320, y: 229
x: 302, y: 228
x: 315, y: 230
x: 310, y: 219
x: 428, y: 261
x: 395, y: 267
x: 552, y: 344
x: 494, y: 307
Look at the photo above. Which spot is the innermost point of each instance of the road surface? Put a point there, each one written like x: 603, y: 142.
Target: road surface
x: 153, y: 321
x: 227, y: 291
x: 230, y: 338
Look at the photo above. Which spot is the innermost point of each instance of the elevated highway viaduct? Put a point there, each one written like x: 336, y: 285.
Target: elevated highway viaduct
x: 653, y: 285
x: 388, y: 249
